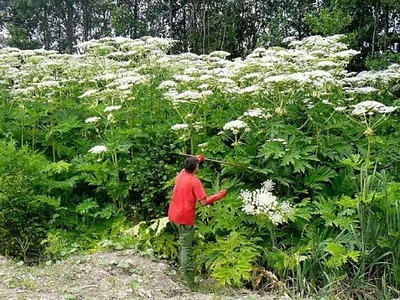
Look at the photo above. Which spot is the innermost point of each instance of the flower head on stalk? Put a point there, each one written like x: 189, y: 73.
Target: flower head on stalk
x: 177, y: 127
x: 371, y: 107
x: 112, y: 108
x: 235, y: 126
x: 262, y: 202
x: 167, y: 84
x: 277, y: 140
x: 88, y: 93
x: 92, y: 120
x: 203, y: 146
x: 98, y: 149
x: 257, y: 113
x: 238, y: 128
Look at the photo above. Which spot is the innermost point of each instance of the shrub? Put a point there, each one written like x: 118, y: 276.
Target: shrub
x: 26, y: 208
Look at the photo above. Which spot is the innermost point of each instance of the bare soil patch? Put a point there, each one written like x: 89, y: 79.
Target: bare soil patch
x: 107, y: 275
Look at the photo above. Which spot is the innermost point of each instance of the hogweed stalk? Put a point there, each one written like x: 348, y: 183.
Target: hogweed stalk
x: 366, y: 110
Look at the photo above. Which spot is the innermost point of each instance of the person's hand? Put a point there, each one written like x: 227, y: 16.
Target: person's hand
x: 223, y: 193
x: 200, y: 158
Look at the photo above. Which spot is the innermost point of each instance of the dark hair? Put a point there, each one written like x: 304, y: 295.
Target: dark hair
x: 191, y: 163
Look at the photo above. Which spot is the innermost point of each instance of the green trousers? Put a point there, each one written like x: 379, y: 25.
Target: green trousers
x: 186, y: 233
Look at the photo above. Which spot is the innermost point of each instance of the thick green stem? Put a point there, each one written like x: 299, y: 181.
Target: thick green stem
x: 22, y: 133
x: 33, y: 135
x: 115, y: 155
x: 131, y: 120
x: 191, y: 137
x: 367, y: 160
x: 53, y: 146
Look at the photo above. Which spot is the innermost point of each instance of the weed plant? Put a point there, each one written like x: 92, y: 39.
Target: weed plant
x: 103, y: 133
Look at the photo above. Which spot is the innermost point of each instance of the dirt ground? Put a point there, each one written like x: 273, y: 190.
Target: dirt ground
x: 107, y: 275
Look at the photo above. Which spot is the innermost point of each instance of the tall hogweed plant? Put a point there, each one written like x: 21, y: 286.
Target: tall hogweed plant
x: 309, y: 172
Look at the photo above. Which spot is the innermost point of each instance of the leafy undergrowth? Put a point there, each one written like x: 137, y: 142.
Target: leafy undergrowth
x: 107, y: 275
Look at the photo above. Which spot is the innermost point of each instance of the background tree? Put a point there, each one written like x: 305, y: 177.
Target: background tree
x: 203, y: 26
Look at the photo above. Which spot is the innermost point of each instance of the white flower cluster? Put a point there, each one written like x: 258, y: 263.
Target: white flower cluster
x: 88, y: 93
x: 257, y: 113
x: 221, y: 54
x: 92, y: 120
x: 112, y: 108
x: 371, y: 107
x: 235, y: 126
x: 47, y: 84
x: 277, y: 140
x: 263, y: 202
x: 361, y: 90
x: 184, y: 97
x: 179, y: 127
x: 167, y: 84
x: 252, y: 89
x: 203, y: 145
x: 98, y: 149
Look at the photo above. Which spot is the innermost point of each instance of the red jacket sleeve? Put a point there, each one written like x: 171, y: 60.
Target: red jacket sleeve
x: 198, y: 190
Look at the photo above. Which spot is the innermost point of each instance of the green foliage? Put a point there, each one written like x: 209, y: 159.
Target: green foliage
x: 381, y: 229
x: 231, y: 259
x: 331, y: 167
x: 339, y: 255
x: 156, y: 237
x: 27, y: 205
x: 329, y: 21
x: 382, y: 61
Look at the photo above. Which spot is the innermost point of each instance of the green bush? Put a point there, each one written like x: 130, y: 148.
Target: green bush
x: 26, y: 209
x: 382, y: 61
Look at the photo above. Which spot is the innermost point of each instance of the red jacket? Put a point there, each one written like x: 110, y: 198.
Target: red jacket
x: 188, y: 189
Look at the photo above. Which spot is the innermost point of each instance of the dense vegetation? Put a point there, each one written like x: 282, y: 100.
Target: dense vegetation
x: 236, y: 26
x: 90, y: 146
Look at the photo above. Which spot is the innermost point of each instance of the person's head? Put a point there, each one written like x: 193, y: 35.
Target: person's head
x: 192, y: 164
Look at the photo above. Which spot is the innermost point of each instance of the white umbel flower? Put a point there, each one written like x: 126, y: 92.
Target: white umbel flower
x: 88, y: 93
x: 187, y: 96
x: 371, y: 107
x: 112, y: 108
x: 362, y: 90
x: 235, y: 126
x: 262, y: 202
x: 277, y: 140
x: 252, y: 89
x: 167, y: 84
x: 257, y: 113
x: 203, y: 145
x: 179, y: 127
x: 98, y: 149
x: 92, y: 120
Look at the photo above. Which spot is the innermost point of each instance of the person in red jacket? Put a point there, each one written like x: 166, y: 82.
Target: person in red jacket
x: 187, y: 191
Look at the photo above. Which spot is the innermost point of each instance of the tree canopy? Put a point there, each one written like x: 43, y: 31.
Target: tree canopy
x: 203, y: 26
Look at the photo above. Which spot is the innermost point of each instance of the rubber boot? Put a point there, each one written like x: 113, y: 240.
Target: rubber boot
x: 186, y: 233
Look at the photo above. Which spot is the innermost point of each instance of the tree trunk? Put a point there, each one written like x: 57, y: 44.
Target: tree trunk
x: 135, y: 19
x: 255, y: 17
x: 204, y: 26
x: 86, y: 7
x: 171, y: 20
x: 185, y: 38
x: 300, y: 20
x: 46, y: 32
x: 386, y: 28
x: 70, y: 25
x: 193, y: 28
x: 375, y: 28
